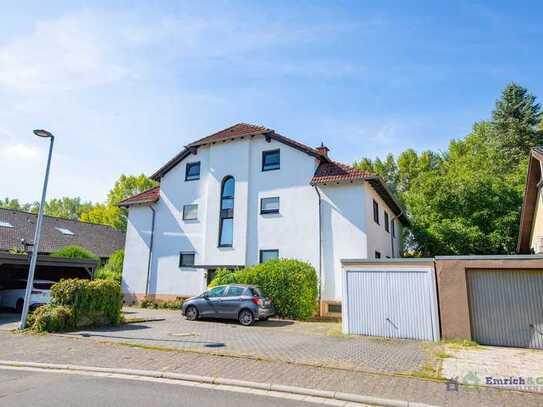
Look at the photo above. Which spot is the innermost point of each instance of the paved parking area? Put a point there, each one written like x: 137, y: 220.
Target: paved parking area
x: 8, y: 320
x: 314, y: 343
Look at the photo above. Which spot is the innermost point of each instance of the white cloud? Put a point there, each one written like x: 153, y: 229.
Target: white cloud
x: 60, y: 54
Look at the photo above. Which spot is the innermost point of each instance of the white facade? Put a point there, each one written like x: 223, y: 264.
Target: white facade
x: 345, y: 224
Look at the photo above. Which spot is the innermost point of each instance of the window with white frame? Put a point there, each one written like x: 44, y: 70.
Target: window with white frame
x: 269, y: 205
x: 190, y: 212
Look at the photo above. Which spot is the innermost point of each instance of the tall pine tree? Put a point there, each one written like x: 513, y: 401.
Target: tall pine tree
x: 515, y: 123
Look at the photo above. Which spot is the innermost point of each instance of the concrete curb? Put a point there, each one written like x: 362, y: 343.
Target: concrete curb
x: 349, y: 397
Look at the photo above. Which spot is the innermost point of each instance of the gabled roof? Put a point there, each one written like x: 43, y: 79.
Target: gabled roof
x: 529, y: 203
x: 102, y: 240
x: 333, y: 172
x: 149, y: 196
x: 237, y: 131
x: 327, y: 171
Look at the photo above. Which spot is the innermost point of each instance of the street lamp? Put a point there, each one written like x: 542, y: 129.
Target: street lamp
x: 36, y: 243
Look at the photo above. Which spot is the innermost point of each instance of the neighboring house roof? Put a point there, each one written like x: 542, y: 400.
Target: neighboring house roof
x: 102, y: 240
x: 149, y: 196
x: 334, y: 172
x: 237, y: 131
x: 327, y: 172
x: 529, y: 202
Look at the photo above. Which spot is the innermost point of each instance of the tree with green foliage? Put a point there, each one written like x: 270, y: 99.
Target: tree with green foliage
x: 113, y: 269
x: 467, y: 200
x: 75, y: 252
x: 8, y: 203
x: 67, y: 208
x: 109, y: 213
x: 515, y: 123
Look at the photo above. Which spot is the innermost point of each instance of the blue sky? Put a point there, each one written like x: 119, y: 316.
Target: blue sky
x: 124, y: 85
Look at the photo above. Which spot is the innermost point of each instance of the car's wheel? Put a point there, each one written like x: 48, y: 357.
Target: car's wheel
x: 246, y: 318
x: 191, y: 313
x: 19, y: 305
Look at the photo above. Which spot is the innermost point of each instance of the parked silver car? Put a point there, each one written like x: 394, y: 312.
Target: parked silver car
x: 235, y: 301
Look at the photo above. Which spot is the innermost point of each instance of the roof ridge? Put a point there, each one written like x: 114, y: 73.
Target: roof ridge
x: 139, y: 193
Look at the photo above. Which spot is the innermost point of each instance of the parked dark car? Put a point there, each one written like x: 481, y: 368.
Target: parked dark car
x: 235, y: 301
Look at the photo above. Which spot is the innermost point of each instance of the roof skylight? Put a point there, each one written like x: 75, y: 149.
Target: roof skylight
x: 65, y: 231
x: 5, y: 224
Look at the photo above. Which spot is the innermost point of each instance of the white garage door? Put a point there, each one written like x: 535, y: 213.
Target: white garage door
x: 392, y: 303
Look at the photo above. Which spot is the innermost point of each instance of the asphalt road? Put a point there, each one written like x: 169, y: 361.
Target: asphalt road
x: 44, y: 389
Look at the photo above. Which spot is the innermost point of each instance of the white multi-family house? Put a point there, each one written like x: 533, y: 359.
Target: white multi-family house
x: 247, y: 194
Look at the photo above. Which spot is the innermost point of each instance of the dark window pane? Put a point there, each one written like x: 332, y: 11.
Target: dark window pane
x: 186, y: 259
x: 266, y: 255
x: 269, y: 205
x: 190, y: 212
x: 227, y: 203
x: 43, y: 286
x: 377, y: 255
x: 216, y: 292
x: 192, y: 171
x: 228, y: 188
x: 235, y: 291
x: 375, y: 212
x: 386, y: 222
x: 271, y: 160
x: 393, y: 228
x: 227, y: 232
x: 255, y: 292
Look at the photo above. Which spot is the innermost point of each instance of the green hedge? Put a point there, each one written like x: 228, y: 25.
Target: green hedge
x: 75, y: 252
x: 76, y: 303
x: 51, y: 318
x: 113, y: 269
x: 291, y: 285
x: 92, y: 302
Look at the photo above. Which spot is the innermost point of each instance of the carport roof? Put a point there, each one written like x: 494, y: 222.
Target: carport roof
x: 45, y: 260
x: 57, y: 233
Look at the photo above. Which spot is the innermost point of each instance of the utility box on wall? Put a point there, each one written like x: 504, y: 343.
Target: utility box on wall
x: 390, y: 298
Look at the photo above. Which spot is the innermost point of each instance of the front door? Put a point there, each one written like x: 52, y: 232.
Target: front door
x: 212, y: 302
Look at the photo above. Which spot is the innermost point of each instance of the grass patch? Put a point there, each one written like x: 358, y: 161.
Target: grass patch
x: 459, y: 344
x: 442, y: 355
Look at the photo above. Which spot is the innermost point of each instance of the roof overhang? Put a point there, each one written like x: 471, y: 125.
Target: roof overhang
x: 46, y: 260
x: 529, y: 202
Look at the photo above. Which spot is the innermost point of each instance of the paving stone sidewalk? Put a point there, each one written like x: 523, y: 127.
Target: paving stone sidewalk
x: 288, y: 341
x: 57, y: 349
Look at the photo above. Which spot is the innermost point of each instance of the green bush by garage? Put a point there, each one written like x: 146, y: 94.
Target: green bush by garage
x: 77, y: 303
x: 290, y: 284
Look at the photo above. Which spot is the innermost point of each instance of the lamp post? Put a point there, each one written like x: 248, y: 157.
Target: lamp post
x: 36, y: 243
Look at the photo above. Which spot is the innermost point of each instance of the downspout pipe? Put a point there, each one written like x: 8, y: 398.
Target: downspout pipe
x: 320, y: 247
x: 150, y: 257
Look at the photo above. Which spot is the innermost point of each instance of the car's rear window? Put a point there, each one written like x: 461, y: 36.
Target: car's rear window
x: 255, y: 292
x: 43, y: 286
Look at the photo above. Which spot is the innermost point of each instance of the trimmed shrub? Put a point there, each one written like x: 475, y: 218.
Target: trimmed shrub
x: 113, y: 269
x: 95, y: 302
x: 290, y: 284
x: 149, y: 302
x: 51, y: 318
x: 75, y: 252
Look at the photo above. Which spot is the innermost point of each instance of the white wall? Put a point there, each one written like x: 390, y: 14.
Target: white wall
x: 379, y: 239
x: 344, y: 222
x: 347, y: 219
x: 138, y: 234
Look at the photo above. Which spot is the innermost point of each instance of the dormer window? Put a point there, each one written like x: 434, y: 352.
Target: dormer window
x: 5, y: 224
x: 271, y: 160
x: 192, y: 171
x: 65, y: 231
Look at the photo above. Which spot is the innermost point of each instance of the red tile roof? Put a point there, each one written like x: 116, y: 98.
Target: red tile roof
x: 149, y: 196
x: 235, y: 131
x: 333, y: 171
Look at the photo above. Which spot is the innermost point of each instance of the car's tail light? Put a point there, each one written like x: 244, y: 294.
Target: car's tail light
x: 258, y: 301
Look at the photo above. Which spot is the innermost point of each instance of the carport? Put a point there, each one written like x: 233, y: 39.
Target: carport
x: 15, y: 267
